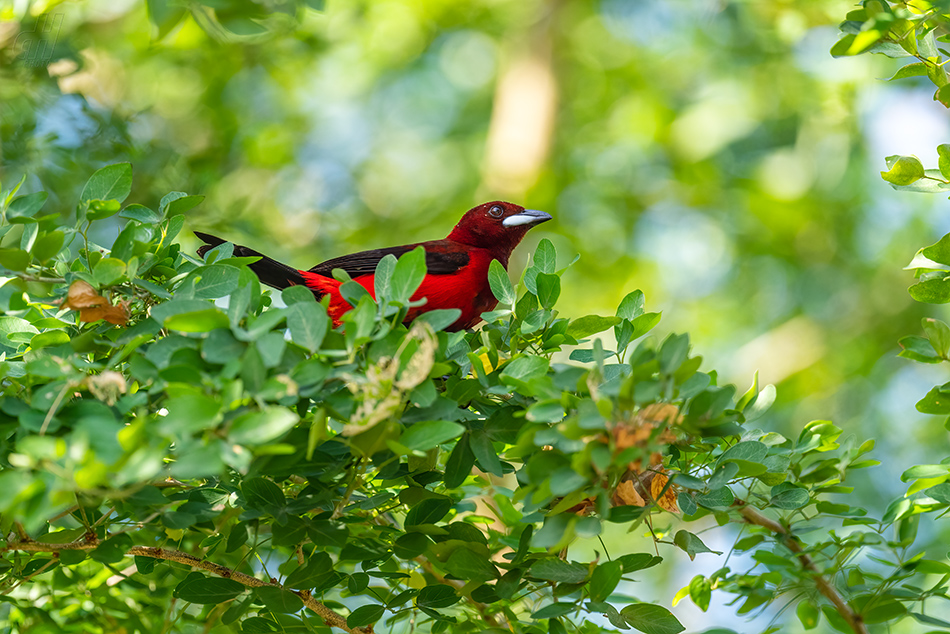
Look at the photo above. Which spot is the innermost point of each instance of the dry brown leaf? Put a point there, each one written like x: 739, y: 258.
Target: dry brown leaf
x: 660, y: 412
x: 665, y: 500
x: 82, y: 295
x: 626, y: 494
x: 92, y: 306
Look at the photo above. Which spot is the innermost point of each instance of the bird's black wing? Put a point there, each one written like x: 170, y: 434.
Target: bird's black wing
x: 442, y: 258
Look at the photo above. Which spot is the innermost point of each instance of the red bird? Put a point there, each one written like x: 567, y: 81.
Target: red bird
x: 457, y: 265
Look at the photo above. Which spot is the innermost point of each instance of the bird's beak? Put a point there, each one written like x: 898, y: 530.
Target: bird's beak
x: 526, y: 217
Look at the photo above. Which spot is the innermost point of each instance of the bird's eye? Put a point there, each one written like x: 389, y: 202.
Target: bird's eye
x: 496, y: 212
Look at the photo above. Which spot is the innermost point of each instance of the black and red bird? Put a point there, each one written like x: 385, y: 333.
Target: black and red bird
x: 457, y: 265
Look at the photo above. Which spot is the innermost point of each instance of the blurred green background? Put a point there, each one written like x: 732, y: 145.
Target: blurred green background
x: 711, y: 153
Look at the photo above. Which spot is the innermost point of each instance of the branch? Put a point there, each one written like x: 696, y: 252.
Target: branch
x: 752, y: 516
x: 41, y: 279
x: 89, y: 542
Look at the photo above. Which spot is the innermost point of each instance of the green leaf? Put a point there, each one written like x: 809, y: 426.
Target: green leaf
x: 939, y: 251
x: 484, y: 451
x: 100, y: 209
x: 278, y: 600
x: 258, y: 428
x: 932, y: 290
x: 215, y: 280
x: 175, y: 203
x: 916, y: 69
x: 673, y: 352
x: 308, y: 324
x: 631, y: 306
x: 651, y: 619
x: 525, y: 368
x: 141, y: 213
x: 748, y: 456
x: 23, y: 207
x: 545, y: 258
x: 789, y: 496
x: 604, y: 580
x: 467, y: 564
x: 328, y: 532
x: 940, y: 492
x: 199, y: 321
x: 924, y: 471
x: 108, y: 271
x: 918, y: 349
x: 190, y: 412
x: 943, y: 161
x: 903, y: 170
x: 459, y: 463
x: 261, y: 493
x: 408, y: 274
x: 49, y: 338
x: 549, y: 289
x: 558, y: 570
x: 691, y: 544
x: 437, y: 596
x: 440, y: 318
x: 700, y: 592
x: 410, y: 545
x: 305, y: 577
x: 809, y: 614
x: 382, y: 279
x: 935, y: 402
x: 112, y: 182
x: 583, y: 327
x: 686, y: 503
x: 365, y: 615
x: 500, y: 283
x: 196, y: 588
x: 14, y: 259
x: 717, y: 499
x: 48, y: 246
x: 429, y: 434
x: 428, y: 511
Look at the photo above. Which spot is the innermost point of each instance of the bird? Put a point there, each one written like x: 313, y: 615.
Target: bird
x: 457, y: 265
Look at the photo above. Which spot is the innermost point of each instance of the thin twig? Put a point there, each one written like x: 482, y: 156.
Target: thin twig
x: 753, y: 516
x: 55, y: 406
x: 41, y: 279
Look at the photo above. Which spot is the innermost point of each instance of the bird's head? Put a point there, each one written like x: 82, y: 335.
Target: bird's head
x: 496, y: 225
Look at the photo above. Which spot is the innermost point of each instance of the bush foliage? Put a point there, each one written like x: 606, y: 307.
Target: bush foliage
x: 181, y: 453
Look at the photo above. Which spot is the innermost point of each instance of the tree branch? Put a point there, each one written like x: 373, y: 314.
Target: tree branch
x: 89, y: 542
x: 753, y: 516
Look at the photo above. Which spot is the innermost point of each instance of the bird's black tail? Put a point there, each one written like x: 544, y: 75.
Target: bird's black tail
x: 269, y: 270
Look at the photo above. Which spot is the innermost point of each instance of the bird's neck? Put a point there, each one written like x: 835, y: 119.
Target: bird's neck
x: 499, y: 248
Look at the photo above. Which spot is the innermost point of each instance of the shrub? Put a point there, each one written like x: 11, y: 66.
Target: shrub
x: 181, y: 454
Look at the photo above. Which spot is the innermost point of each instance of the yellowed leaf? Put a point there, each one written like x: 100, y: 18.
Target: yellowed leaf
x: 665, y: 500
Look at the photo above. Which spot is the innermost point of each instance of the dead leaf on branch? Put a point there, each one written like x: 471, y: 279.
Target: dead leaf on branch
x: 648, y: 430
x: 92, y: 306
